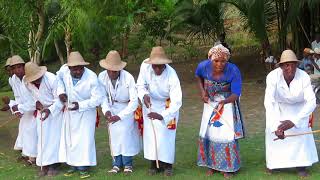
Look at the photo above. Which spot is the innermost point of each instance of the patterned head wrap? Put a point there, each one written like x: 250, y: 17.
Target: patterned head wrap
x: 218, y: 51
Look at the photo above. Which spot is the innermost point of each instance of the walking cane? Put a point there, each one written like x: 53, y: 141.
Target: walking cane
x: 41, y: 136
x: 10, y: 119
x: 298, y: 134
x: 111, y: 150
x: 155, y: 139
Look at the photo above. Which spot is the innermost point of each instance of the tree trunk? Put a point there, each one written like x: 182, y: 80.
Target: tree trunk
x: 56, y: 45
x: 67, y: 40
x: 125, y: 43
x: 39, y: 34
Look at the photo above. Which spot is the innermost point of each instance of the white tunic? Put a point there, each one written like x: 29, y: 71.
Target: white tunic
x: 49, y: 135
x: 294, y: 103
x: 27, y: 135
x: 160, y: 88
x: 124, y: 133
x: 77, y: 144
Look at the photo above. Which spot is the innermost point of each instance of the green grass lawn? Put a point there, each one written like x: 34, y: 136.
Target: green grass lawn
x: 252, y: 147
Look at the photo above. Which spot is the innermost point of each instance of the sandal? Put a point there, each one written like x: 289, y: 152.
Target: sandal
x: 30, y: 162
x: 114, y: 170
x: 128, y: 170
x: 84, y: 174
x: 70, y: 172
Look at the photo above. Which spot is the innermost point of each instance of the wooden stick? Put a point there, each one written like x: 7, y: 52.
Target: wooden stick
x: 155, y: 140
x: 41, y: 130
x: 298, y: 134
x: 111, y: 151
x: 6, y: 122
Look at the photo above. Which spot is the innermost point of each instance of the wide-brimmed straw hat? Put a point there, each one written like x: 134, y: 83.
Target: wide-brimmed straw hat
x: 33, y: 71
x: 308, y: 51
x: 158, y: 56
x: 7, y: 62
x: 317, y: 50
x: 288, y: 56
x: 16, y: 59
x: 112, y: 61
x: 75, y: 59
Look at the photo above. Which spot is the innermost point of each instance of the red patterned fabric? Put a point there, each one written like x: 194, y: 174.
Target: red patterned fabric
x: 228, y: 158
x: 138, y: 117
x: 213, y: 156
x: 172, y: 124
x: 311, y: 118
x: 201, y: 149
x: 97, y: 118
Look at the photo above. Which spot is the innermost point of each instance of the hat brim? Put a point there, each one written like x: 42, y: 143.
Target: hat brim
x: 295, y: 60
x: 158, y: 61
x: 109, y: 67
x: 78, y: 64
x: 12, y: 64
x: 36, y: 76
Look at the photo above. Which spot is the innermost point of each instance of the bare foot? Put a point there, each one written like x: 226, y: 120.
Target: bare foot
x: 227, y: 175
x: 269, y: 171
x: 210, y: 172
x: 302, y: 172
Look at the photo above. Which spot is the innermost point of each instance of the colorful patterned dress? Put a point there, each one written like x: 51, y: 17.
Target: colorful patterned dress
x: 219, y: 131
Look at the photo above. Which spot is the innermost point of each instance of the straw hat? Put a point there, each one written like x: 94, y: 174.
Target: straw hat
x: 75, y: 59
x: 158, y: 56
x: 308, y: 51
x: 16, y: 59
x: 33, y: 71
x: 112, y: 61
x: 317, y: 50
x: 7, y: 62
x: 288, y: 56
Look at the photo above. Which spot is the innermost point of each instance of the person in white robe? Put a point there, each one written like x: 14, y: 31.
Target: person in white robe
x: 118, y: 106
x: 159, y: 89
x: 6, y: 99
x: 23, y: 106
x: 79, y: 90
x: 43, y: 87
x: 289, y: 101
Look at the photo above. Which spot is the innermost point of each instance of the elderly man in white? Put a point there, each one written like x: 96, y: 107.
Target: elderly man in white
x: 23, y: 106
x: 289, y: 101
x: 159, y: 90
x: 43, y: 87
x: 80, y: 92
x: 121, y: 100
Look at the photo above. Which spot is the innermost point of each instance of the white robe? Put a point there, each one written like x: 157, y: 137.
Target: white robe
x: 77, y: 144
x: 294, y: 103
x: 124, y: 133
x: 27, y: 135
x: 49, y: 135
x: 160, y: 88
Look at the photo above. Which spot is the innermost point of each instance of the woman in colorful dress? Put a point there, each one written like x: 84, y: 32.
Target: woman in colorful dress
x: 221, y: 126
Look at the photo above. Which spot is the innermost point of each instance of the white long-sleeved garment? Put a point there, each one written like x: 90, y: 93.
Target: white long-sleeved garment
x: 77, y: 144
x: 27, y: 135
x: 49, y: 133
x: 124, y: 133
x: 160, y: 88
x: 294, y: 102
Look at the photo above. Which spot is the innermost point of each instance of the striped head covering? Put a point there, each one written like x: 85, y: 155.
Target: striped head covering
x: 219, y: 51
